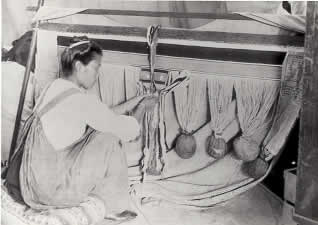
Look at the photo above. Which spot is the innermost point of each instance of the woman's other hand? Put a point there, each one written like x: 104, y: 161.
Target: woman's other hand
x: 149, y: 102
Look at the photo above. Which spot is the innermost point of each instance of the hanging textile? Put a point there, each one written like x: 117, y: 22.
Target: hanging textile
x: 198, y: 183
x: 171, y: 83
x: 289, y: 103
x: 152, y: 163
x: 111, y: 84
x: 255, y: 99
x: 170, y: 118
x: 187, y: 99
x: 222, y: 113
x: 131, y: 81
x: 147, y: 146
x: 47, y: 59
x: 155, y: 146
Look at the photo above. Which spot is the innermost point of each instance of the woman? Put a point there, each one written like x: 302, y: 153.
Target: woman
x: 71, y: 144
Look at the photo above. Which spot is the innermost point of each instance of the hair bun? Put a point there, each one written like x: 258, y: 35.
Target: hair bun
x: 77, y: 41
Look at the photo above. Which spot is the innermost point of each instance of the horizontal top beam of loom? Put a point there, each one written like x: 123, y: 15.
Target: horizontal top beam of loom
x: 193, y: 15
x: 188, y: 51
x: 117, y: 53
x: 181, y: 34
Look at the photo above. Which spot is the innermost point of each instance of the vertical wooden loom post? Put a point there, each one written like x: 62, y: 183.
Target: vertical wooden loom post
x: 23, y: 91
x: 306, y: 208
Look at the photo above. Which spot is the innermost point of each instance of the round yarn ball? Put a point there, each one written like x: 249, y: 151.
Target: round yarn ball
x: 185, y: 146
x: 216, y: 147
x: 256, y: 168
x: 246, y: 150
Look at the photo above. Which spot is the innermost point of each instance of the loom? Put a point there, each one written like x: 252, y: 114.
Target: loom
x: 218, y: 49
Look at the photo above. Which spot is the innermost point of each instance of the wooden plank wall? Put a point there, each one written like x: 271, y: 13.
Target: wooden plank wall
x: 306, y: 211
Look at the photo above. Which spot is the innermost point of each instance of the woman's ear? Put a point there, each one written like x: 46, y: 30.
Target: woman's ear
x: 78, y: 65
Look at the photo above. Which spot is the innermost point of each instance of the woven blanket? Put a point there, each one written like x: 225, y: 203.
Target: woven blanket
x: 201, y: 181
x: 89, y: 212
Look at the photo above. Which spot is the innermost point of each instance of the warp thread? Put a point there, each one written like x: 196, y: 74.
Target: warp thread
x: 222, y: 113
x: 255, y: 99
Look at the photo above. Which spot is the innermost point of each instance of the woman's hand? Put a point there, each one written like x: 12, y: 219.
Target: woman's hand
x: 149, y: 102
x: 137, y: 137
x: 129, y: 105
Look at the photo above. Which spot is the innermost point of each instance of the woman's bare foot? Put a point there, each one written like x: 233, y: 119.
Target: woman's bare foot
x: 123, y: 216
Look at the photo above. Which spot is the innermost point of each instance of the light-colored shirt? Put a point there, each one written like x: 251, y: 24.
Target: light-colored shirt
x: 67, y: 121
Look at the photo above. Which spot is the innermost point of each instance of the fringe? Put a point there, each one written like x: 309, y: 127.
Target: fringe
x: 255, y: 99
x: 187, y: 101
x: 220, y: 93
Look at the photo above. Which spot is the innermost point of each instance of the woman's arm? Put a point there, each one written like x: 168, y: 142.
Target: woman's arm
x: 137, y: 106
x: 147, y: 104
x: 128, y: 106
x: 100, y: 117
x: 139, y: 112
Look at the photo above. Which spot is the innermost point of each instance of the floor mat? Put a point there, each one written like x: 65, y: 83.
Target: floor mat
x: 255, y: 207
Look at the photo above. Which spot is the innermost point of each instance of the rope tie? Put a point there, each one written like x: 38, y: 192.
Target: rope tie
x: 152, y: 40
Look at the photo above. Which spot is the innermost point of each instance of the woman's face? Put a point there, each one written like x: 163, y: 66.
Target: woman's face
x: 88, y: 74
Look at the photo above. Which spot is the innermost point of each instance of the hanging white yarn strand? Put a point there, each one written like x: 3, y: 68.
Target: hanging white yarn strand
x: 187, y: 101
x: 220, y: 93
x: 197, y: 94
x: 255, y: 99
x: 187, y: 104
x: 181, y: 98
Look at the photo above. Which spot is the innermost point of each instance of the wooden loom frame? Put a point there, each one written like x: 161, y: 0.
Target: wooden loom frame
x: 270, y: 69
x: 217, y: 58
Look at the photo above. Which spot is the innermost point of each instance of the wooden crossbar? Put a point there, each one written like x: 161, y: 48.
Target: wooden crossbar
x: 182, y: 34
x: 193, y: 15
x: 183, y: 51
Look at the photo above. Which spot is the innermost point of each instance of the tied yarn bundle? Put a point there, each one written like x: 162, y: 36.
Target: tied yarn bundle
x: 255, y: 100
x: 255, y: 169
x: 152, y: 163
x: 222, y: 113
x: 187, y: 100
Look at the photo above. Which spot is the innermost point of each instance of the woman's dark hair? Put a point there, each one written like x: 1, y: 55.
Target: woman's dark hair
x: 81, y: 49
x: 19, y: 52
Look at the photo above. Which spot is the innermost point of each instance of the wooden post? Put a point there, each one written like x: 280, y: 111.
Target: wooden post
x: 306, y: 208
